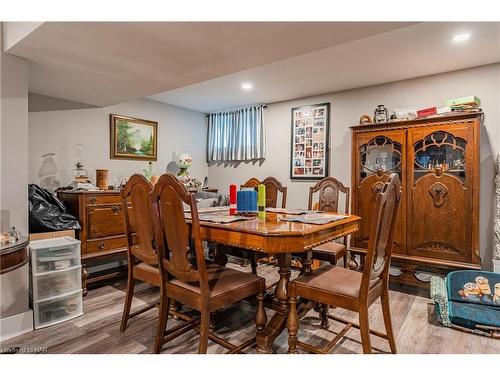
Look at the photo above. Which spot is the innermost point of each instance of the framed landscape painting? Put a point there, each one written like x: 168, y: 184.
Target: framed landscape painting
x: 133, y: 138
x: 310, y: 142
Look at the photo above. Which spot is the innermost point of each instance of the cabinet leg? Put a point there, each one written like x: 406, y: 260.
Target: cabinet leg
x: 85, y: 276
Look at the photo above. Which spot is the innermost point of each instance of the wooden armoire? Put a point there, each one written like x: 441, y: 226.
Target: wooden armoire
x: 437, y: 160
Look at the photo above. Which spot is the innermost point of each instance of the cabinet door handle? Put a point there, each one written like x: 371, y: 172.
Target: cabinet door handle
x: 438, y: 192
x: 100, y: 245
x: 378, y: 187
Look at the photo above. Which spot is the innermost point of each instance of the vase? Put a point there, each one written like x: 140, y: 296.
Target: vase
x: 101, y: 178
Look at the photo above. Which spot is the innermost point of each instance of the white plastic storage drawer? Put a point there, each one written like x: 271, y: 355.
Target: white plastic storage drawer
x: 54, y: 254
x: 58, y: 309
x: 52, y: 284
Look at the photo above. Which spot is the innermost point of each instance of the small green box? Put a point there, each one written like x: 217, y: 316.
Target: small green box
x: 462, y: 101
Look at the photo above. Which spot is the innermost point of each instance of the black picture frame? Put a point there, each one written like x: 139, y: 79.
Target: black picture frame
x: 310, y: 148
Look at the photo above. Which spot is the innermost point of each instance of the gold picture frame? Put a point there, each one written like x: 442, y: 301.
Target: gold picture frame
x: 133, y: 138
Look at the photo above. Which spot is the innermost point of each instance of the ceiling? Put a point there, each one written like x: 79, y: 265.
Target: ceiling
x: 104, y: 63
x: 201, y: 65
x: 414, y: 51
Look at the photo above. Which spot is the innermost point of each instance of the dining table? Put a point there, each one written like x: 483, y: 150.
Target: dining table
x: 273, y: 234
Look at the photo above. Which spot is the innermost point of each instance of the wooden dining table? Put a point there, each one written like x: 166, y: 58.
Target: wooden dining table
x: 273, y: 235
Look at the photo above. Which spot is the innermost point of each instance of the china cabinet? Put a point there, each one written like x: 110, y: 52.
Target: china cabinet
x: 437, y: 160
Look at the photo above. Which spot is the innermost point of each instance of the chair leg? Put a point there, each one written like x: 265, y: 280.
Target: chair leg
x: 325, y: 324
x: 386, y: 311
x: 260, y: 314
x: 253, y: 262
x: 204, y: 329
x: 162, y: 321
x: 352, y: 264
x: 292, y: 326
x: 128, y: 300
x: 364, y: 328
x: 333, y: 261
x: 213, y: 320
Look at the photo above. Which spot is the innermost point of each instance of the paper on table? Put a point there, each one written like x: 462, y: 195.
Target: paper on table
x: 208, y: 209
x: 315, y: 218
x: 290, y: 211
x: 222, y: 219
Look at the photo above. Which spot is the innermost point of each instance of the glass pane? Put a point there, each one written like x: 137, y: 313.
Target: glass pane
x: 440, y: 150
x: 380, y: 153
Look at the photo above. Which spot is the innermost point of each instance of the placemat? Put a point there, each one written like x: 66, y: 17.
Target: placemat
x: 318, y: 219
x: 222, y: 219
x: 289, y: 211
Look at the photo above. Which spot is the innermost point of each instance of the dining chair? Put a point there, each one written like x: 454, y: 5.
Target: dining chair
x: 206, y: 287
x: 273, y: 189
x: 329, y: 192
x: 352, y: 290
x: 142, y: 252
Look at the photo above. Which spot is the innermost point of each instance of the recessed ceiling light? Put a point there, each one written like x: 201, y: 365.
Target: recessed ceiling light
x: 461, y: 37
x: 246, y: 86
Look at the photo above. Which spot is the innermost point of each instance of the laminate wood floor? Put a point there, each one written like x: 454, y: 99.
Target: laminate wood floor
x: 97, y: 331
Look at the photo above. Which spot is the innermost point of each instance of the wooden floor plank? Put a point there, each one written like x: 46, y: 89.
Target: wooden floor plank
x: 97, y: 331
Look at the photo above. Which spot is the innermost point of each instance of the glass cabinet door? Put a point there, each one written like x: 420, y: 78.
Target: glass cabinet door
x: 380, y: 154
x: 440, y: 150
x: 440, y: 204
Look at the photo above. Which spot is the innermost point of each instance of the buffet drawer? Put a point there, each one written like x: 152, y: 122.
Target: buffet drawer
x: 106, y: 245
x: 56, y: 283
x: 58, y: 309
x: 103, y: 199
x: 105, y: 221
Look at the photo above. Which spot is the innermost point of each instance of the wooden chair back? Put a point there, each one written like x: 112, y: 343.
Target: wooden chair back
x: 329, y: 190
x: 169, y: 194
x: 137, y: 191
x: 378, y: 255
x: 252, y: 183
x: 273, y: 188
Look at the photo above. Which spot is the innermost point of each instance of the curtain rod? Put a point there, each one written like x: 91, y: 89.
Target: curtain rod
x: 264, y: 106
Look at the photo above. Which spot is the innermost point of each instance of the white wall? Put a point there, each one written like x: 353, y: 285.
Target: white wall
x: 179, y: 130
x: 15, y: 316
x: 348, y: 106
x: 14, y: 143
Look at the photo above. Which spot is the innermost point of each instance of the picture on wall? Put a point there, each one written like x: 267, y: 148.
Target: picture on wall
x: 133, y: 138
x: 310, y: 142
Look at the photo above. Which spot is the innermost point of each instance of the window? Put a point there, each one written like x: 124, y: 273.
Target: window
x: 236, y: 135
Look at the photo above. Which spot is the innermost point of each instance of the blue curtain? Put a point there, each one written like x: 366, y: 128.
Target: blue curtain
x: 236, y: 135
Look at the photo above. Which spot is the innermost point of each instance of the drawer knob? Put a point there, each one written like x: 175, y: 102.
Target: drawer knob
x: 115, y: 209
x: 100, y: 245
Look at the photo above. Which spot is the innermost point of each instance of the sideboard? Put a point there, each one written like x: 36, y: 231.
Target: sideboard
x: 102, y: 232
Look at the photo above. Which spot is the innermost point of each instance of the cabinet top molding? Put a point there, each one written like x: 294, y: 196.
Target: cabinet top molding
x: 416, y: 122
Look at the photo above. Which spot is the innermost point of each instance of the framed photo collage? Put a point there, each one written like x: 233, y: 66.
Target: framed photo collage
x: 310, y: 142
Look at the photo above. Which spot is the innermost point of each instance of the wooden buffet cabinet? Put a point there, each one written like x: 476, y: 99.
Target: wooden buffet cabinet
x: 437, y: 160
x: 102, y: 235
